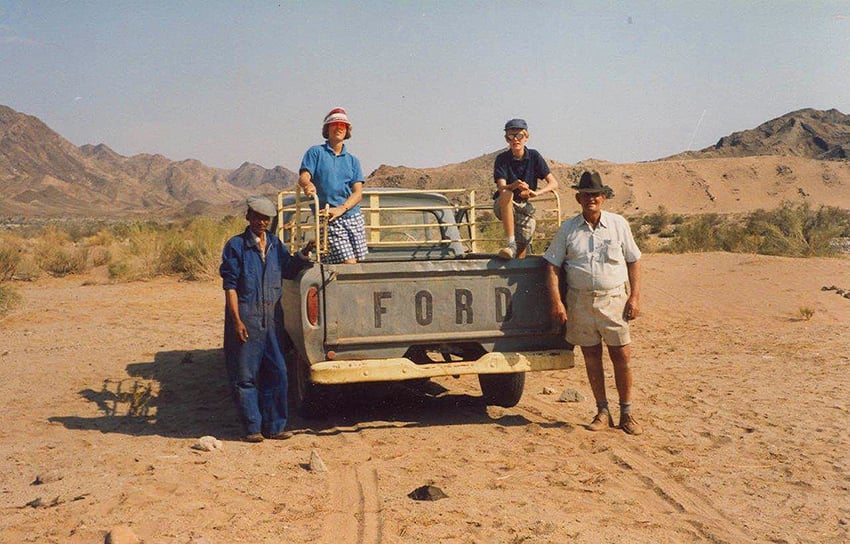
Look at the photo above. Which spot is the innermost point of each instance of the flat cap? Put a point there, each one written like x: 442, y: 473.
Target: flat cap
x: 262, y: 205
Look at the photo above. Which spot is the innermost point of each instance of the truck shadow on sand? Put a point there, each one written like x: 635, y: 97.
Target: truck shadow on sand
x: 185, y: 394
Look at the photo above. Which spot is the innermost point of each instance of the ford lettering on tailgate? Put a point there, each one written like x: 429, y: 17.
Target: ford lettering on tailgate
x: 435, y: 299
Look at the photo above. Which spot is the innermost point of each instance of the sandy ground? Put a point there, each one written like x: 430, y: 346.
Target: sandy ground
x: 746, y: 408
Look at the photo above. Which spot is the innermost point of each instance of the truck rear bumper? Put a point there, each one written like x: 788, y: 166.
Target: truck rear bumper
x: 380, y: 370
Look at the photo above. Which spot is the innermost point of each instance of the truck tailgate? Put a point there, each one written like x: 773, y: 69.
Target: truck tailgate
x: 502, y: 305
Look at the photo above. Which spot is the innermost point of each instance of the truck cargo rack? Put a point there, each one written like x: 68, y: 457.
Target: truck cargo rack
x: 442, y: 223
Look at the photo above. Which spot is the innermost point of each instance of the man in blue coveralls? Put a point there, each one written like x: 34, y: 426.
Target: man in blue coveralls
x: 252, y: 265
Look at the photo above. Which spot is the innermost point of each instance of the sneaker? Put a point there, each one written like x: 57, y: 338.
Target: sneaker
x: 630, y: 425
x: 508, y: 252
x: 282, y: 435
x: 254, y: 438
x: 602, y: 421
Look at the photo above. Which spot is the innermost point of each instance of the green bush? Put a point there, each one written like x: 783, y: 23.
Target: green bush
x: 790, y: 230
x: 194, y: 250
x: 797, y: 231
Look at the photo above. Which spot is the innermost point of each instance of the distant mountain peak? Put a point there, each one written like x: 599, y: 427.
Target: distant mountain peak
x: 811, y: 133
x: 43, y: 174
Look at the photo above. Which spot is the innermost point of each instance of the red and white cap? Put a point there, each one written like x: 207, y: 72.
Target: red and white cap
x: 336, y: 115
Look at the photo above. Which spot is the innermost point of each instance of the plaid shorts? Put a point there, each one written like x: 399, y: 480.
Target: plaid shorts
x: 524, y: 222
x: 346, y: 238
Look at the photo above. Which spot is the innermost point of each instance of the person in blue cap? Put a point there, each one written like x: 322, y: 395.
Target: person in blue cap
x: 517, y: 172
x: 252, y: 265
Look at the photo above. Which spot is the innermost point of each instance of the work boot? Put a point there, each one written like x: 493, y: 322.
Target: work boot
x: 508, y: 252
x: 603, y: 420
x: 629, y: 424
x: 254, y: 438
x: 281, y: 435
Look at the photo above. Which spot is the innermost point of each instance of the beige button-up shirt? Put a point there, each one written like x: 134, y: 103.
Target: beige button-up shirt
x: 594, y: 259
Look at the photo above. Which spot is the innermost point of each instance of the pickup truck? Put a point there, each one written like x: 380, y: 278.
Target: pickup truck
x: 425, y: 302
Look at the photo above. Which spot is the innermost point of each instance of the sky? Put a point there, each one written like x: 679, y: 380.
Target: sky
x: 425, y: 83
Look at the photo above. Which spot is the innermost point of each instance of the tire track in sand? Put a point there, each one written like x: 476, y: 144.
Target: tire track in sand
x: 355, y: 502
x: 695, y: 509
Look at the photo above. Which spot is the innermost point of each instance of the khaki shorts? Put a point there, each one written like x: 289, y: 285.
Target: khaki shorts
x: 593, y: 316
x: 524, y: 222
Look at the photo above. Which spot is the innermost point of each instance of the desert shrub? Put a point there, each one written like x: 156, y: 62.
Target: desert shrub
x: 806, y: 312
x: 701, y: 233
x: 10, y: 258
x: 790, y: 230
x: 797, y: 230
x: 120, y: 271
x: 658, y: 221
x: 194, y: 249
x: 9, y: 298
x: 53, y: 235
x: 61, y: 261
x: 99, y: 256
x: 80, y: 230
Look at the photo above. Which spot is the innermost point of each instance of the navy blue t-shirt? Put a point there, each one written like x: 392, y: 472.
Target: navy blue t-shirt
x: 530, y: 168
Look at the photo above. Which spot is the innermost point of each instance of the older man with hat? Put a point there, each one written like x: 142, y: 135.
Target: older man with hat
x: 601, y: 262
x: 516, y: 173
x: 334, y: 175
x: 252, y: 265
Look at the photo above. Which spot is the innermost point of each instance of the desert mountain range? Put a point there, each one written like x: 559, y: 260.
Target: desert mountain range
x: 800, y: 156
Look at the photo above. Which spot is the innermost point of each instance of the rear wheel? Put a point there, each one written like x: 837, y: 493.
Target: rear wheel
x: 502, y: 389
x: 306, y: 399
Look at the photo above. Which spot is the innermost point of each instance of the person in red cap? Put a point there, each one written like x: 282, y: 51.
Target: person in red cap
x: 516, y: 173
x: 334, y: 175
x: 601, y: 261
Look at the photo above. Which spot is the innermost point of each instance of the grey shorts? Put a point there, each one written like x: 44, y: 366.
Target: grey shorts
x: 524, y: 222
x: 594, y: 316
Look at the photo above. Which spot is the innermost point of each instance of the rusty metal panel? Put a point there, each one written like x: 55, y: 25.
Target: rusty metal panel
x: 431, y: 301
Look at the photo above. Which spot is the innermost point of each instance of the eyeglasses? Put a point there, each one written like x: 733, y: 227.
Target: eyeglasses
x: 516, y: 136
x: 591, y: 195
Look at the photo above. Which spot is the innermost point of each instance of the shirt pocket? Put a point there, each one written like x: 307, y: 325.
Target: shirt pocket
x: 613, y: 251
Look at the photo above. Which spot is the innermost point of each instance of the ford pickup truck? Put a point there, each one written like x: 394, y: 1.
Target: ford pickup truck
x: 427, y: 301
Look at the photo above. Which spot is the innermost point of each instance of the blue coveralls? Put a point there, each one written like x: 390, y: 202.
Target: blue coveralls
x: 256, y: 369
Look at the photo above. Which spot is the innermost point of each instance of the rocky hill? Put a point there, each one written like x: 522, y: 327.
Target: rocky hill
x: 781, y: 160
x: 42, y: 174
x: 804, y: 133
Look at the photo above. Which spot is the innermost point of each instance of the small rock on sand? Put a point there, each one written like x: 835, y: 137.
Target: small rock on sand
x: 208, y: 443
x: 121, y: 535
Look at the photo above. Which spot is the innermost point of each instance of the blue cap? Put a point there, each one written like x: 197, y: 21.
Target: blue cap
x: 516, y: 123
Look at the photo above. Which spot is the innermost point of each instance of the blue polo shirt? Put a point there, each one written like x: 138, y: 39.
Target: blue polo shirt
x: 530, y: 168
x: 333, y: 175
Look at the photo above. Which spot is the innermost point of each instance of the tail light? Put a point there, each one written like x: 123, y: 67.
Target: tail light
x: 313, y: 305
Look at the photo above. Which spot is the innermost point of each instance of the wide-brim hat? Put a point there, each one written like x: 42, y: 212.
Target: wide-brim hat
x: 262, y: 206
x: 591, y: 182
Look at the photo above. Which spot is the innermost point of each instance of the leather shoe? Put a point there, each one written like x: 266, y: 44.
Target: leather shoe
x: 630, y: 425
x: 602, y: 421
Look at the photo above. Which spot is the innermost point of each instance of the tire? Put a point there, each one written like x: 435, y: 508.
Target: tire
x: 502, y: 389
x: 306, y: 399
